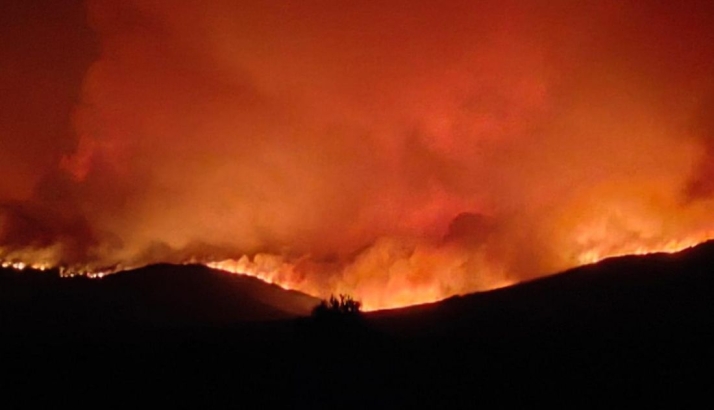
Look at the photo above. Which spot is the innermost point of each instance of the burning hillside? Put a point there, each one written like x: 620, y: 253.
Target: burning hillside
x: 398, y: 152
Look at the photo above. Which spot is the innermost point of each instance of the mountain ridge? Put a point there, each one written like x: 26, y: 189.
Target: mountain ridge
x: 161, y: 295
x: 634, y: 326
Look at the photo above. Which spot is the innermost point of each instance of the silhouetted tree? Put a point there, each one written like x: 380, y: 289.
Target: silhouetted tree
x: 344, y: 307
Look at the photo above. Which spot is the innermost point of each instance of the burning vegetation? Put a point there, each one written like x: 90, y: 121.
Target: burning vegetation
x: 398, y: 154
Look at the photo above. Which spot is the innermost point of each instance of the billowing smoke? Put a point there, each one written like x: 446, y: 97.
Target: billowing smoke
x: 402, y: 151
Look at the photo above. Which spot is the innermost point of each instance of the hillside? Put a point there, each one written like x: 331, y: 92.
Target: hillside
x: 636, y: 327
x: 657, y: 292
x: 158, y: 296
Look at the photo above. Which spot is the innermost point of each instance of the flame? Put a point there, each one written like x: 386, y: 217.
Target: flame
x: 396, y: 272
x: 345, y: 141
x: 406, y: 284
x: 268, y: 268
x: 22, y: 265
x: 601, y: 223
x: 673, y: 246
x: 423, y: 276
x: 402, y: 283
x: 605, y: 225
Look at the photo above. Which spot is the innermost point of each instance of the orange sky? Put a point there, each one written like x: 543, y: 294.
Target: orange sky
x: 346, y: 137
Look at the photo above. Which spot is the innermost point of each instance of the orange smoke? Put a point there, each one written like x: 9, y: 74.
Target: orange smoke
x: 398, y: 152
x: 428, y: 274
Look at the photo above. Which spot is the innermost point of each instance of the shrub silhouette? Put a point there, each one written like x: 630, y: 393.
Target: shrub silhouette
x: 334, y: 308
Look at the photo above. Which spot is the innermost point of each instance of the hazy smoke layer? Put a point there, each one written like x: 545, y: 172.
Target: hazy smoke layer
x: 406, y: 145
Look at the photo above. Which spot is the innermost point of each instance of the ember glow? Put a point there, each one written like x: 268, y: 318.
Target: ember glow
x: 401, y: 152
x: 407, y: 282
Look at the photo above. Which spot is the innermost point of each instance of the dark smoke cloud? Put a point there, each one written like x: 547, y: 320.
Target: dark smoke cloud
x: 380, y: 143
x: 45, y: 50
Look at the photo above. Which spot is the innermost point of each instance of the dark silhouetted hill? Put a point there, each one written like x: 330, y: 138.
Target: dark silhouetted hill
x: 627, y: 330
x: 158, y: 296
x: 617, y: 296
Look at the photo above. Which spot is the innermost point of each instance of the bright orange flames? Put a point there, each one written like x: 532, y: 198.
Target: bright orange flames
x: 353, y: 139
x: 274, y: 270
x: 398, y: 291
x: 673, y: 246
x: 394, y: 273
x: 397, y: 272
x: 406, y: 284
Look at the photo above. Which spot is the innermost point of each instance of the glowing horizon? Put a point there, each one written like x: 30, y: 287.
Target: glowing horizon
x: 283, y: 276
x: 400, y: 153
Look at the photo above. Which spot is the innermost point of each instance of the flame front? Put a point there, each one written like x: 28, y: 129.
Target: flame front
x: 400, y: 291
x: 394, y: 273
x: 399, y: 272
x: 401, y: 153
x: 595, y: 224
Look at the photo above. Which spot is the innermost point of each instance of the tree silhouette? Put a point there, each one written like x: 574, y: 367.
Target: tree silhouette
x: 335, y: 308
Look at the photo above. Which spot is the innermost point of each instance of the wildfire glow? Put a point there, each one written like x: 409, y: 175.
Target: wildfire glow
x: 400, y: 290
x: 274, y: 270
x: 399, y: 152
x: 672, y: 246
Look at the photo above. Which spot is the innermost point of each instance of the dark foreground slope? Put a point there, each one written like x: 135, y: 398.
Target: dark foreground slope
x: 633, y: 328
x: 44, y: 305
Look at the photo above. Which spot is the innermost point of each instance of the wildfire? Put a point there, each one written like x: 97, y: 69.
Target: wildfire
x: 399, y: 272
x: 402, y: 290
x: 268, y: 268
x: 22, y: 265
x: 672, y: 246
x: 64, y: 271
x: 405, y: 285
x: 285, y: 276
x: 394, y: 273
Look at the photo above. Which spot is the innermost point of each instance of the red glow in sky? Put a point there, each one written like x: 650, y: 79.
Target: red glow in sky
x: 401, y: 151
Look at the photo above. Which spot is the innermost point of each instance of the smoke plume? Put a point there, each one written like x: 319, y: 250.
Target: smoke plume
x: 400, y: 151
